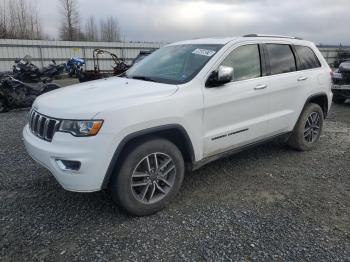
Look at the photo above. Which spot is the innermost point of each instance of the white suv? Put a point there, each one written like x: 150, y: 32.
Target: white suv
x: 181, y: 107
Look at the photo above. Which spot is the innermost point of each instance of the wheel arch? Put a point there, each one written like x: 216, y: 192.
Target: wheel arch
x: 175, y: 133
x: 321, y: 99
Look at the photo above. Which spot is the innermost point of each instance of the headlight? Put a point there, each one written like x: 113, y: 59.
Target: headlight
x: 81, y: 127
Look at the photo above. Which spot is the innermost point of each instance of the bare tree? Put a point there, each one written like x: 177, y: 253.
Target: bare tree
x: 109, y: 30
x: 19, y: 19
x: 91, y: 31
x: 70, y: 24
x: 3, y: 24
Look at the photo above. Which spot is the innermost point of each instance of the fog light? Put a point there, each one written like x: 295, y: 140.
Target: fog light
x: 68, y: 165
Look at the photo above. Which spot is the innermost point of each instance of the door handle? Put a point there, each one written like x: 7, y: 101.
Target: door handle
x: 302, y: 78
x: 259, y: 87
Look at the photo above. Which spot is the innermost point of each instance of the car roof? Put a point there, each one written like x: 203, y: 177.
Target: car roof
x: 211, y: 40
x: 226, y: 40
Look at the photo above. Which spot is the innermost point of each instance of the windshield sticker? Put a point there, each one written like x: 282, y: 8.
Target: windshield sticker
x: 204, y: 52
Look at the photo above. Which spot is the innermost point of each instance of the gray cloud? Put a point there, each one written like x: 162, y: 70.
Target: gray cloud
x: 321, y: 21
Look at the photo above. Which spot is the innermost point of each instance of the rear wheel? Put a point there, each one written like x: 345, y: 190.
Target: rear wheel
x: 308, y: 129
x: 150, y: 176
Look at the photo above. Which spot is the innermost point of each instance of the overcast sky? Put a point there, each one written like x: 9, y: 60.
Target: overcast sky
x: 322, y: 21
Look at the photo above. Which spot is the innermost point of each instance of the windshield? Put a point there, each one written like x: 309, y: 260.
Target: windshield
x: 175, y: 64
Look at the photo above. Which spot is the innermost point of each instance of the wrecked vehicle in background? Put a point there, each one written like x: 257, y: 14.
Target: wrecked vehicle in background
x: 141, y: 56
x: 119, y: 67
x: 24, y: 70
x: 343, y: 56
x: 341, y: 83
x: 19, y: 88
x: 74, y: 66
x: 5, y: 74
x: 17, y: 94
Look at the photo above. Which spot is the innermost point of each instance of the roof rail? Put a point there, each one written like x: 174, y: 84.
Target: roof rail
x: 277, y: 36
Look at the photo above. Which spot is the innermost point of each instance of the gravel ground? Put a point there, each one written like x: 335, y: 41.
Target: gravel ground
x: 267, y: 203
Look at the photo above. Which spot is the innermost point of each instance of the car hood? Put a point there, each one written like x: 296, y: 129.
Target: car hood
x: 85, y: 100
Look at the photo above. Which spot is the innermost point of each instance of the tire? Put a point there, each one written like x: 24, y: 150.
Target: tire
x: 308, y: 129
x: 338, y: 100
x: 138, y: 187
x: 3, y: 105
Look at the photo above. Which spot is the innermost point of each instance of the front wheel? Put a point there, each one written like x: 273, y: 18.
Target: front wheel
x: 307, y: 130
x: 150, y: 176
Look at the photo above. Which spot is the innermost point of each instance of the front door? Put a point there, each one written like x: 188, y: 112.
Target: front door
x: 237, y: 113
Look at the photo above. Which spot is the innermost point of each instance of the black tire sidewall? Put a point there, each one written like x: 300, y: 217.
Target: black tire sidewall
x: 121, y: 181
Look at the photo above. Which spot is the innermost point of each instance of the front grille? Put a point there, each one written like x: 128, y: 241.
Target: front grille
x: 338, y: 81
x: 43, y: 126
x: 347, y: 78
x: 344, y: 93
x: 344, y: 80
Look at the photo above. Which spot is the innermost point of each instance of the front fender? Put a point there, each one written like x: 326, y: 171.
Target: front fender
x: 142, y: 133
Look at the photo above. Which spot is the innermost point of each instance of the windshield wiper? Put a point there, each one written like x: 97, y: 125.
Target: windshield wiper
x: 145, y: 78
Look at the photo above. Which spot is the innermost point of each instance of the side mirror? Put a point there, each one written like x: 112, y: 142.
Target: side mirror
x: 223, y: 75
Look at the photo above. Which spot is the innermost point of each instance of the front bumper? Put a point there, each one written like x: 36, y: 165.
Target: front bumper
x: 94, y: 154
x: 341, y: 90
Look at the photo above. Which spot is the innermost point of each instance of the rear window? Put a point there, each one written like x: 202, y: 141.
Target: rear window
x: 281, y: 58
x: 307, y: 58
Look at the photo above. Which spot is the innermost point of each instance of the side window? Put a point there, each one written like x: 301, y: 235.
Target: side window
x: 281, y: 58
x: 246, y: 62
x: 307, y: 58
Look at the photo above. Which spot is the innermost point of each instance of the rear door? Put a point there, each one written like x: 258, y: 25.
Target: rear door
x: 295, y: 74
x: 309, y: 68
x: 285, y: 87
x: 237, y: 112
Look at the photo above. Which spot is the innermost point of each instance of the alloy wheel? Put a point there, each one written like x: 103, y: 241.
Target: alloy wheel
x: 153, y: 178
x: 312, y: 127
